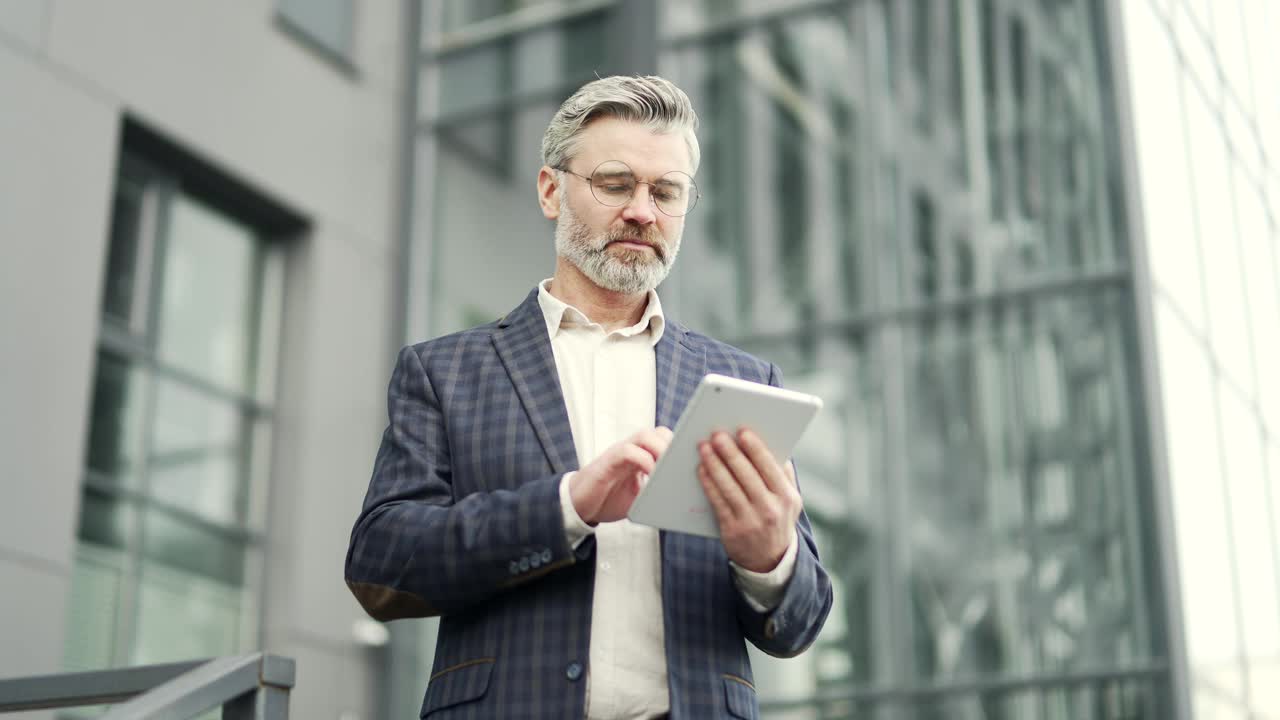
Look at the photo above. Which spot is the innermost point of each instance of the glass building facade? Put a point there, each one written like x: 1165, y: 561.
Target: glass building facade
x: 926, y: 212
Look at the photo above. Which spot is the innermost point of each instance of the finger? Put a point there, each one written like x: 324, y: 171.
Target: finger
x: 653, y: 441
x: 719, y: 474
x: 632, y: 459
x: 719, y: 505
x: 793, y: 485
x: 763, y: 461
x: 740, y: 466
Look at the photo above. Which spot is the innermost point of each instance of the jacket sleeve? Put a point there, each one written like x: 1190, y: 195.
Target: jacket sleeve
x: 417, y: 549
x: 790, y: 628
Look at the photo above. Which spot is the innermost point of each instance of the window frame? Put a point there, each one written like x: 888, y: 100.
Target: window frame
x: 165, y: 174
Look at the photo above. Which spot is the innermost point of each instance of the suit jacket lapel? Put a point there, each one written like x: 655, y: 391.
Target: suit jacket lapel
x: 522, y: 344
x: 680, y: 367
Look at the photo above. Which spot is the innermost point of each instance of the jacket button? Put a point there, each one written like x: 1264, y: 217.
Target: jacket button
x: 573, y: 671
x: 770, y: 629
x: 514, y: 568
x: 546, y: 556
x: 535, y: 560
x: 524, y: 564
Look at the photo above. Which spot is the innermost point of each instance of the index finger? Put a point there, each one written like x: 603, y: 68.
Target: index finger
x: 654, y: 440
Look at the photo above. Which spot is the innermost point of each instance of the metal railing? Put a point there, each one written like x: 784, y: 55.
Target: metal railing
x: 247, y: 687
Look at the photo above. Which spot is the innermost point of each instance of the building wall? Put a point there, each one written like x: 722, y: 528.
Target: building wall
x: 1207, y: 136
x: 227, y: 82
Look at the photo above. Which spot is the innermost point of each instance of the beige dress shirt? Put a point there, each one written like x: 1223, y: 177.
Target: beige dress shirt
x: 609, y: 381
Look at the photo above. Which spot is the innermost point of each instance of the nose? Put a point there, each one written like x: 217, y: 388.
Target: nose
x: 641, y: 209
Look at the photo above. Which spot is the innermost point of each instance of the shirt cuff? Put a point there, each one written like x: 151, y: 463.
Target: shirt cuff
x: 763, y: 591
x: 575, y: 528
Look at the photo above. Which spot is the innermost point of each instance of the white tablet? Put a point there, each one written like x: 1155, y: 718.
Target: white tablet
x: 673, y: 498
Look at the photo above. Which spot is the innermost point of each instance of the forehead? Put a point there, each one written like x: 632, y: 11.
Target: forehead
x: 647, y: 152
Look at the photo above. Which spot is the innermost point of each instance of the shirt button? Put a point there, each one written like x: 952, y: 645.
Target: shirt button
x: 605, y: 565
x: 573, y: 671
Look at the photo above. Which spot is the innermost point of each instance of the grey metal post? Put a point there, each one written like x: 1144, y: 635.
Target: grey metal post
x: 1179, y: 671
x: 265, y: 703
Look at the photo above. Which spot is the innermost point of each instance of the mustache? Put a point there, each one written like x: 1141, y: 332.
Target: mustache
x: 647, y: 235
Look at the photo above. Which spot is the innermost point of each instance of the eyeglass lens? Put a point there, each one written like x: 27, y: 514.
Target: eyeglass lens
x: 614, y: 184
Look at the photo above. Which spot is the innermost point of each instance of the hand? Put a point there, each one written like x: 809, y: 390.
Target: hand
x: 604, y: 490
x: 754, y: 498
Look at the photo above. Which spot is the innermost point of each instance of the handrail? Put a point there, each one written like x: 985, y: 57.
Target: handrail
x: 248, y: 686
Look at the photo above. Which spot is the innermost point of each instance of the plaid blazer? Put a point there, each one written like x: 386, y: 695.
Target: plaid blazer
x: 462, y: 520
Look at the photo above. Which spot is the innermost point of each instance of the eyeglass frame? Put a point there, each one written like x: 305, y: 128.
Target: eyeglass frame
x: 696, y: 195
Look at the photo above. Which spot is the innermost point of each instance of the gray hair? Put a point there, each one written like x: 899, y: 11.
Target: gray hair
x: 652, y: 101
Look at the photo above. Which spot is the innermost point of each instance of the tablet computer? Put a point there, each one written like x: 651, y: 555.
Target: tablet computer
x: 673, y: 497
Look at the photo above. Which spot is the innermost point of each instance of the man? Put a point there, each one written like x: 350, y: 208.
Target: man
x: 514, y: 451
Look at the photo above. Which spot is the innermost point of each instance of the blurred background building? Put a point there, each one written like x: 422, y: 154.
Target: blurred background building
x: 1027, y: 251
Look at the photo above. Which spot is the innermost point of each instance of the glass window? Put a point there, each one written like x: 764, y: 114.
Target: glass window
x: 114, y: 433
x: 458, y: 14
x: 207, y: 291
x: 486, y: 77
x: 1018, y: 446
x: 168, y: 527
x: 328, y: 23
x: 127, y: 236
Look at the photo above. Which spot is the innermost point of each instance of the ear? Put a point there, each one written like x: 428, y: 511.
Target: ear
x: 548, y: 193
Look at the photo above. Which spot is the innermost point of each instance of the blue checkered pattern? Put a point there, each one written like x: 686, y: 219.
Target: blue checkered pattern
x: 462, y: 520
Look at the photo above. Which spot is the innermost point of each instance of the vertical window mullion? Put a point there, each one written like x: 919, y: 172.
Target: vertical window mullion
x: 143, y: 323
x: 140, y: 307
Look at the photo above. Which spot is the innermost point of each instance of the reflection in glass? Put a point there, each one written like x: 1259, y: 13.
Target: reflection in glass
x: 198, y: 452
x: 1021, y: 558
x: 552, y: 59
x: 207, y: 301
x: 460, y: 13
x: 97, y: 581
x: 180, y: 544
x: 105, y: 521
x: 123, y: 273
x: 116, y: 420
x: 182, y: 615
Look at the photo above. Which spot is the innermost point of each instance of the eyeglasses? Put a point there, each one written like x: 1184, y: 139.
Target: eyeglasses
x: 614, y: 184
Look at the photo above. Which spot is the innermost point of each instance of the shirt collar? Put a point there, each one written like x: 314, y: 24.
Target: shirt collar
x: 559, y: 314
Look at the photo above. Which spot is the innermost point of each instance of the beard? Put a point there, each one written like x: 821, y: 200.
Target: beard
x: 619, y: 269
